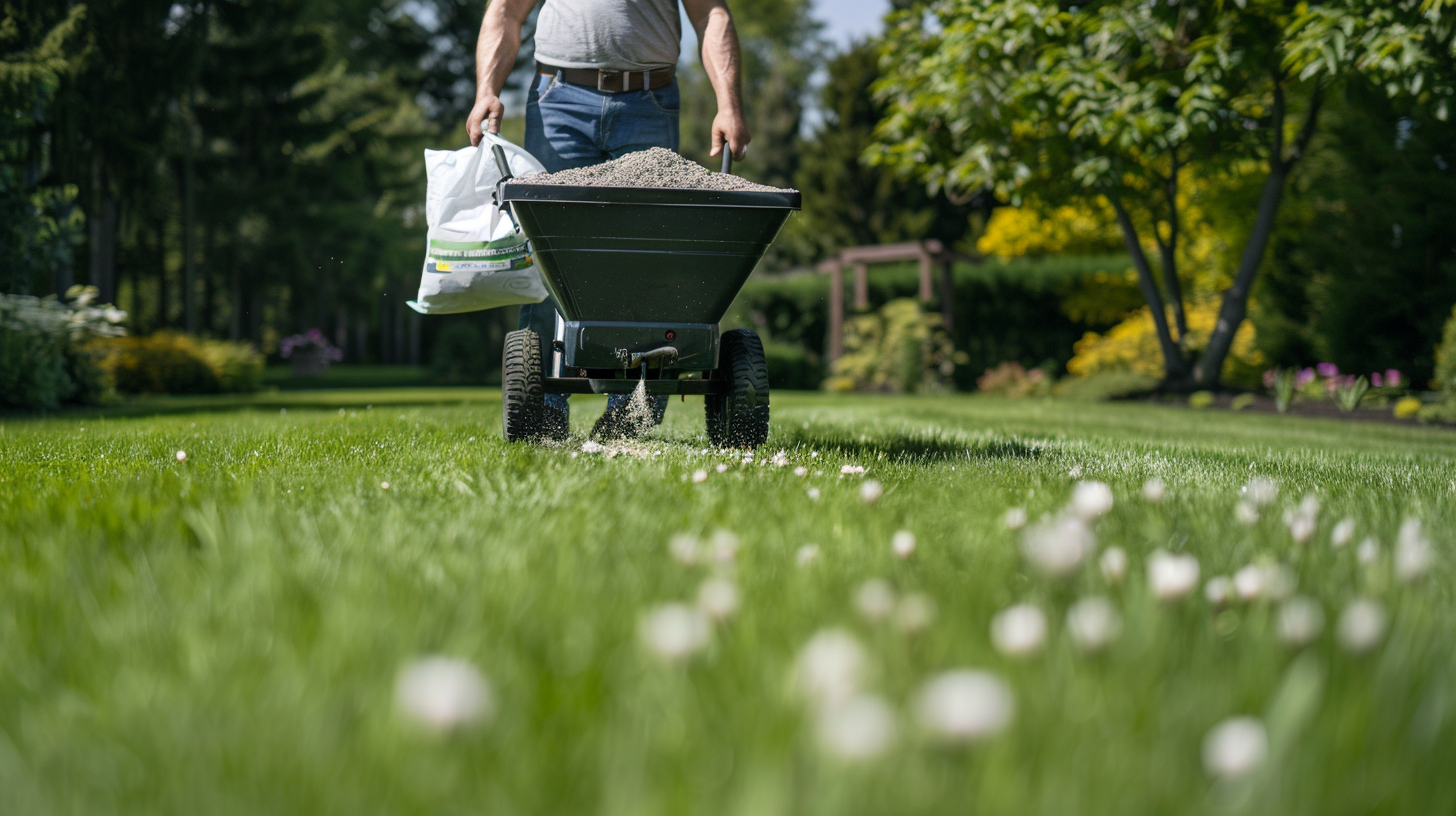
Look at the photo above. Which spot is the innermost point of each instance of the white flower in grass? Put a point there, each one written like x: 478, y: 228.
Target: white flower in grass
x: 830, y: 667
x: 443, y: 693
x: 718, y: 598
x: 1261, y: 490
x: 1413, y: 554
x: 801, y: 471
x: 1058, y: 546
x: 1113, y: 564
x: 1075, y: 472
x: 1172, y: 576
x: 1362, y: 626
x: 181, y: 456
x: 780, y: 459
x: 1092, y: 623
x: 1246, y: 513
x: 1343, y: 532
x: 875, y: 600
x: 851, y: 470
x: 914, y: 612
x: 1249, y: 583
x: 964, y: 705
x: 592, y: 446
x: 700, y: 476
x: 1303, y: 519
x: 806, y: 555
x: 858, y: 729
x: 1154, y: 490
x: 674, y: 632
x: 1019, y: 630
x: 1368, y: 551
x: 903, y: 544
x: 384, y: 485
x: 1235, y: 747
x: 723, y: 547
x: 1091, y: 499
x: 1300, y: 621
x: 813, y: 494
x: 684, y: 548
x: 871, y: 491
x: 1015, y: 518
x: 722, y: 468
x: 1218, y: 589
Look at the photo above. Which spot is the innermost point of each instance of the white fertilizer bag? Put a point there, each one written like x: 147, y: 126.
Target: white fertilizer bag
x: 475, y: 258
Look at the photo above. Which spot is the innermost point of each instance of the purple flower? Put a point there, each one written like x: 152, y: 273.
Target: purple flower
x: 1328, y: 370
x: 1269, y: 378
x: 1376, y: 380
x: 1393, y: 378
x: 1304, y: 377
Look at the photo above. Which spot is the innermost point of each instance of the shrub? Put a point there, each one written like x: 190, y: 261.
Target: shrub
x: 1132, y: 346
x: 898, y: 348
x: 1108, y: 385
x: 791, y: 367
x: 1011, y: 379
x: 1445, y: 376
x: 45, y: 355
x: 237, y: 366
x: 175, y: 363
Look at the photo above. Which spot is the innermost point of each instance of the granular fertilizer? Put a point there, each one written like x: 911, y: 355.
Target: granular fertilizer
x: 654, y: 167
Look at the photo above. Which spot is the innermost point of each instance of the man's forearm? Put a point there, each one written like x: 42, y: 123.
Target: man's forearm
x: 496, y: 50
x: 718, y: 49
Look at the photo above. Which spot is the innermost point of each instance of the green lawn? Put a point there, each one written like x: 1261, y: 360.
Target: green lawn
x: 224, y: 634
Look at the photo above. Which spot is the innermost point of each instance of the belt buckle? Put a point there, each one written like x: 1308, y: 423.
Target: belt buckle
x: 602, y: 82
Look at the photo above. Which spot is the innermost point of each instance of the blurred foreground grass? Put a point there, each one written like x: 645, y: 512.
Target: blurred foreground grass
x: 223, y: 635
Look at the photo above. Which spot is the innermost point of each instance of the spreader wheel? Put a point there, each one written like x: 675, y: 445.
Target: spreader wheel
x: 522, y: 402
x: 739, y: 419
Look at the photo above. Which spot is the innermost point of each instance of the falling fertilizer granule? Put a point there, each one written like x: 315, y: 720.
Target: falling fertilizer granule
x: 654, y: 167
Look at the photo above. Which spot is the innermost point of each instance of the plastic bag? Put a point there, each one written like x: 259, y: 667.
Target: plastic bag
x: 475, y: 259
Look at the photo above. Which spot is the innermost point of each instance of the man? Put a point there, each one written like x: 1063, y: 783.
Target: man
x: 604, y: 87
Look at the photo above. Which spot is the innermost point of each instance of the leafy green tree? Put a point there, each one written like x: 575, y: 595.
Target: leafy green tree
x: 1126, y: 99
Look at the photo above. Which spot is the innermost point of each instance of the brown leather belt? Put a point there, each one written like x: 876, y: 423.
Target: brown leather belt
x: 611, y: 81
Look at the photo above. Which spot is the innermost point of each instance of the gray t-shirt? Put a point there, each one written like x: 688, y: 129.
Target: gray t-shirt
x: 619, y: 35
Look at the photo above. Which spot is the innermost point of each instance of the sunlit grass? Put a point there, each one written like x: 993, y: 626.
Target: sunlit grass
x: 225, y: 634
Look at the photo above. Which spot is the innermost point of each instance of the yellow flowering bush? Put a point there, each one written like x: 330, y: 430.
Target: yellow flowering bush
x: 1132, y: 346
x: 1016, y: 232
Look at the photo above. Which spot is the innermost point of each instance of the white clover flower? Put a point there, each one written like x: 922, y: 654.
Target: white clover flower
x: 1058, y: 546
x: 1261, y: 490
x: 871, y: 491
x: 1019, y: 630
x: 858, y: 729
x: 684, y: 548
x: 181, y: 456
x: 806, y: 554
x: 1113, y: 564
x: 1343, y: 532
x: 1413, y: 553
x: 780, y: 459
x: 1015, y: 518
x: 964, y: 705
x: 903, y: 544
x: 1368, y: 551
x: 721, y: 468
x: 1091, y: 499
x: 384, y: 485
x: 1172, y: 576
x: 674, y: 632
x: 718, y: 598
x: 830, y: 667
x: 1300, y: 621
x: 1218, y: 589
x: 875, y: 600
x: 700, y: 476
x: 592, y: 446
x: 1154, y: 490
x: 1246, y: 513
x: 723, y: 547
x: 813, y: 494
x: 443, y: 693
x: 1235, y: 747
x: 801, y: 471
x: 1249, y: 582
x: 1361, y: 626
x: 1303, y: 519
x: 851, y: 470
x: 1075, y: 472
x: 914, y: 612
x: 1092, y: 623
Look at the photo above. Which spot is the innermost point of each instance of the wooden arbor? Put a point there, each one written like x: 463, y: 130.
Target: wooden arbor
x: 928, y: 254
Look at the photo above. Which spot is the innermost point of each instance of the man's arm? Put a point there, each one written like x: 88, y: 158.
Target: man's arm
x: 718, y: 48
x: 495, y: 56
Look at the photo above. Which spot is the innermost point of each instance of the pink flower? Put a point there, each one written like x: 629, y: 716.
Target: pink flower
x: 1304, y: 377
x: 1269, y: 378
x: 1376, y: 380
x: 1393, y: 378
x: 1327, y: 369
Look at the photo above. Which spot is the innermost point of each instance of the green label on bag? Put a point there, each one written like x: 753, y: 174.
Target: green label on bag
x: 504, y: 244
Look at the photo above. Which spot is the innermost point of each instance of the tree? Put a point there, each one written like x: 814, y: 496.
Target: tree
x: 1126, y: 98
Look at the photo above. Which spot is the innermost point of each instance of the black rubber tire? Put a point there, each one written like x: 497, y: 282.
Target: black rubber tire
x: 739, y: 419
x: 522, y: 396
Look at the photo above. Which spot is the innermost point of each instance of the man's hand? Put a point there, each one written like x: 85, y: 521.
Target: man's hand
x: 486, y: 115
x: 728, y: 126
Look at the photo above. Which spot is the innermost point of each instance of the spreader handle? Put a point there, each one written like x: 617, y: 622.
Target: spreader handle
x: 501, y: 162
x: 727, y: 159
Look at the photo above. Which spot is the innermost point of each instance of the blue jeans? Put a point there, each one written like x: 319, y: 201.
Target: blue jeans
x: 574, y: 126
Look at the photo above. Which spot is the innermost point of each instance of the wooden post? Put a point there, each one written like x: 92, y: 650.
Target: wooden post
x: 836, y: 310
x: 925, y: 294
x: 947, y: 294
x: 861, y: 287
